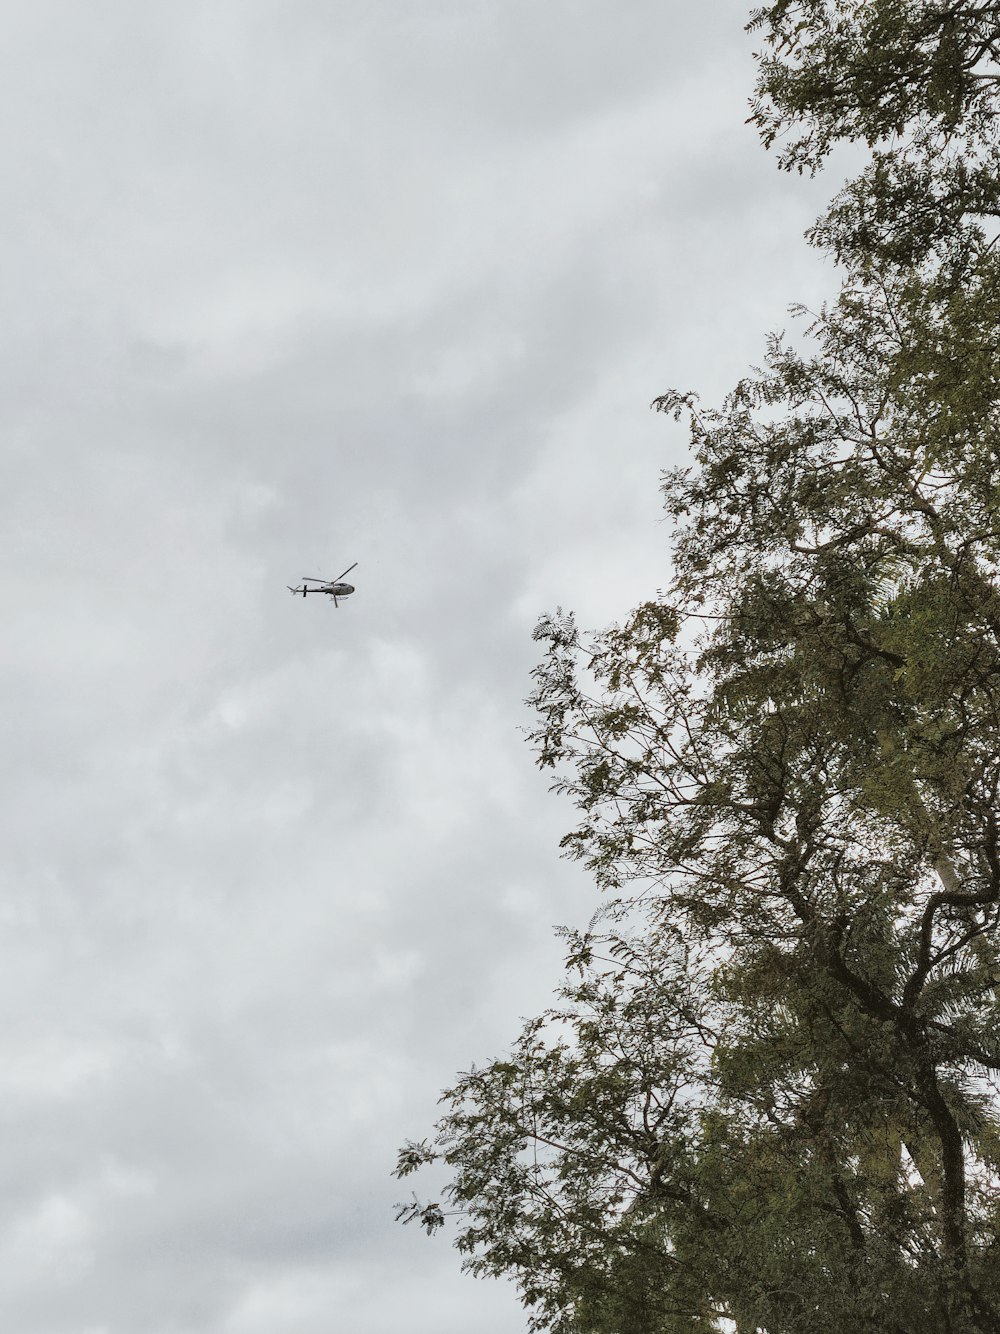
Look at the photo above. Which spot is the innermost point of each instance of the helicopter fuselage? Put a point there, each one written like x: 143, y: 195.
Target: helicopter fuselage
x: 332, y: 590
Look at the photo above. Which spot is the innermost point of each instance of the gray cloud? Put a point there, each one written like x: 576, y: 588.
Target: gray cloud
x: 287, y: 286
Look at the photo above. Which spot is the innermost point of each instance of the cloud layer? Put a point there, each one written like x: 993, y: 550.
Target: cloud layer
x: 287, y: 286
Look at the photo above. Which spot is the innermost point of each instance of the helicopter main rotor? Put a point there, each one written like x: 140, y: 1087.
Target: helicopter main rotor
x: 313, y: 579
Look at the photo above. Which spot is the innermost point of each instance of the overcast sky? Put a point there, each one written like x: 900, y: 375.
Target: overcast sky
x: 288, y: 284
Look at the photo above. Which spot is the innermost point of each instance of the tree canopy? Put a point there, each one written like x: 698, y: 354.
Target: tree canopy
x: 768, y: 1091
x: 914, y: 80
x: 916, y: 71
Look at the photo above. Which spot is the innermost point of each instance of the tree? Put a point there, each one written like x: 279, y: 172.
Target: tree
x: 769, y: 1092
x: 917, y: 71
x: 780, y: 1102
x: 914, y: 80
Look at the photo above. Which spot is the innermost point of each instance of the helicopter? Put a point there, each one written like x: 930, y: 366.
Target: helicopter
x: 331, y: 587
